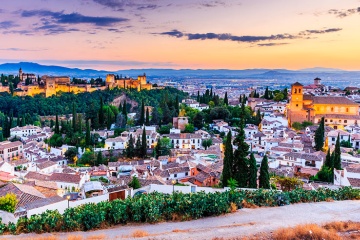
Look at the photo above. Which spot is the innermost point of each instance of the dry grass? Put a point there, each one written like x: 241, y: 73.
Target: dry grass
x: 180, y: 230
x: 307, y: 231
x: 97, y: 237
x: 43, y: 238
x: 343, y: 226
x: 246, y: 204
x: 139, y: 233
x: 233, y: 207
x: 74, y: 237
x: 329, y: 200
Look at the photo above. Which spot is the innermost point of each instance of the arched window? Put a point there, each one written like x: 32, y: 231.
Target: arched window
x: 332, y: 109
x: 300, y: 90
x: 295, y: 91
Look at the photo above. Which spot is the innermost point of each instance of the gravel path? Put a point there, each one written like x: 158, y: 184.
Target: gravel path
x: 244, y: 222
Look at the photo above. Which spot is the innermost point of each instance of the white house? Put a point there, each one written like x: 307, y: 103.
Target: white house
x: 25, y: 131
x: 332, y: 136
x: 116, y: 143
x: 186, y: 140
x: 350, y: 176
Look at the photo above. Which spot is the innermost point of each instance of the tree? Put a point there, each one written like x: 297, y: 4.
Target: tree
x: 137, y: 150
x: 296, y: 126
x: 232, y: 184
x: 88, y: 158
x: 99, y: 159
x: 101, y: 113
x: 147, y: 118
x: 252, y: 172
x: 70, y: 154
x: 8, y: 202
x: 289, y: 183
x: 279, y: 97
x: 57, y: 129
x: 189, y: 128
x: 129, y: 151
x: 1, y: 136
x: 337, y: 154
x: 264, y: 178
x: 135, y: 183
x: 240, y: 167
x: 87, y: 135
x: 319, y: 135
x: 155, y: 116
x: 206, y: 143
x: 329, y: 160
x: 143, y: 144
x: 109, y: 122
x: 163, y: 147
x: 198, y: 120
x: 266, y: 95
x: 226, y: 101
x: 142, y: 113
x: 228, y: 160
x: 74, y: 117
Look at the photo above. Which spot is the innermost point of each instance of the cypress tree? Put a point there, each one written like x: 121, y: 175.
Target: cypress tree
x: 198, y: 96
x: 337, y: 154
x: 252, y: 172
x: 329, y: 160
x: 155, y: 116
x: 264, y: 178
x: 109, y: 122
x: 319, y: 135
x: 120, y: 107
x: 240, y: 167
x: 74, y: 117
x: 101, y: 114
x: 23, y: 121
x: 57, y: 128
x: 226, y: 101
x: 228, y: 160
x: 80, y: 127
x: 129, y: 152
x: 87, y: 136
x: 240, y: 99
x: 18, y: 122
x: 143, y: 144
x: 124, y: 109
x: 147, y: 119
x: 1, y: 136
x: 266, y: 95
x: 158, y: 149
x: 142, y: 113
x: 177, y: 110
x: 99, y: 159
x: 138, y: 147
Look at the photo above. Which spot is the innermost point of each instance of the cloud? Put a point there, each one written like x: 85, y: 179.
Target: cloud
x: 271, y: 44
x: 8, y: 24
x: 120, y: 5
x: 344, y: 13
x: 246, y: 39
x: 73, y: 18
x: 21, y: 50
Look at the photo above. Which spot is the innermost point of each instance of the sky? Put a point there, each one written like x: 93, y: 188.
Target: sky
x: 178, y: 34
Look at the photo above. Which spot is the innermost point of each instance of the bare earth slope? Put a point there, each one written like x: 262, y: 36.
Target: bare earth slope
x: 244, y: 222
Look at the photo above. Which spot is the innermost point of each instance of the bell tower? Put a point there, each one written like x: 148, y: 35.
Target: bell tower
x: 297, y: 97
x: 20, y: 74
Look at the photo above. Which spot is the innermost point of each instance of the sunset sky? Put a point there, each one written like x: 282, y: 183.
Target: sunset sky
x: 209, y: 34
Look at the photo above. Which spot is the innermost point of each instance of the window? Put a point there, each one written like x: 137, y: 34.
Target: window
x: 186, y: 173
x: 347, y: 109
x: 331, y: 120
x: 297, y: 105
x: 332, y: 109
x: 333, y: 139
x: 295, y: 91
x: 325, y: 120
x: 300, y: 90
x: 175, y: 175
x: 345, y: 121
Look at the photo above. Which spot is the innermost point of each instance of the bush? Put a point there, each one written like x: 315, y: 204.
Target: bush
x: 8, y: 202
x: 156, y: 207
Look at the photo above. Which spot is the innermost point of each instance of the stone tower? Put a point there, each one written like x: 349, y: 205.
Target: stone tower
x: 20, y: 74
x: 317, y: 81
x: 296, y: 103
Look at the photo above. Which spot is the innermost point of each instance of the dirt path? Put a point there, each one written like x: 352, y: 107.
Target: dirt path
x: 244, y: 222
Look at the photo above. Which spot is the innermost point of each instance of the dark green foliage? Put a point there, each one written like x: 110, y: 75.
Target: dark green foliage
x: 142, y: 114
x: 252, y: 172
x: 226, y: 100
x: 147, y: 117
x: 228, y: 160
x: 129, y: 151
x: 101, y: 113
x: 57, y: 128
x: 74, y: 117
x: 206, y: 143
x: 70, y: 154
x: 157, y: 207
x: 87, y: 135
x: 240, y: 167
x: 319, y: 135
x: 337, y: 154
x: 135, y: 184
x: 99, y: 159
x: 143, y: 144
x: 264, y: 178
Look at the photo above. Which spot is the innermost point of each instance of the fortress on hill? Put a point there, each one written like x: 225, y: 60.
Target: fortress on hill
x: 31, y: 85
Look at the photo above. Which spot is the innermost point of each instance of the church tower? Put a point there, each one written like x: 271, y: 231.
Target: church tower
x: 297, y: 97
x: 20, y: 74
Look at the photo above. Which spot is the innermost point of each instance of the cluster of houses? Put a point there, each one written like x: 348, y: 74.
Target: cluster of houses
x: 40, y: 177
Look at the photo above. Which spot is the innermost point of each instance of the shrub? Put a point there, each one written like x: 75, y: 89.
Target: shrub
x: 8, y: 202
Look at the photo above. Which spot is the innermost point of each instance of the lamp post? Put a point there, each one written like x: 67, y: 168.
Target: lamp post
x: 68, y: 198
x: 173, y: 183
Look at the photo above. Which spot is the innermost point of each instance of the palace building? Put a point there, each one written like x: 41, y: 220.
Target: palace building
x: 338, y: 111
x: 50, y: 85
x: 139, y: 84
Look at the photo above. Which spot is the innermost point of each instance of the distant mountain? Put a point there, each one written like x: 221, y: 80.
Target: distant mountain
x: 328, y: 74
x: 321, y: 69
